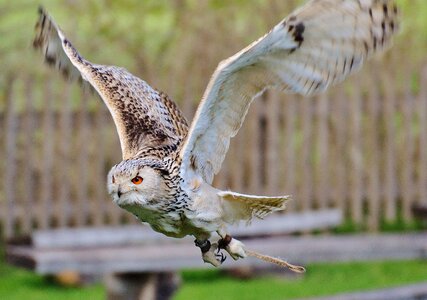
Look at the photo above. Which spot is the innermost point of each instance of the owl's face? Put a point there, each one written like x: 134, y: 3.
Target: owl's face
x: 136, y: 182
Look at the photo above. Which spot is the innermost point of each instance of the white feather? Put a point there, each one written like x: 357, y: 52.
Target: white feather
x: 316, y: 46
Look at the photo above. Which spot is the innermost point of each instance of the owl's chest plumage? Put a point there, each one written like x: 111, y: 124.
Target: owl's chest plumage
x: 172, y: 217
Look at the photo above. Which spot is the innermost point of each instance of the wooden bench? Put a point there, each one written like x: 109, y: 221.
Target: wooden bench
x: 142, y: 263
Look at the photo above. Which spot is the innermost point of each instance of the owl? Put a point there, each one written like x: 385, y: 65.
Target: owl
x: 165, y: 178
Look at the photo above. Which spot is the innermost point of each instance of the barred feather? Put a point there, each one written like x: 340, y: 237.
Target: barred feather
x: 147, y: 121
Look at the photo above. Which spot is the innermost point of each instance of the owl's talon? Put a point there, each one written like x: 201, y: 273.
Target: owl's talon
x: 220, y: 256
x: 234, y: 247
x: 209, y: 254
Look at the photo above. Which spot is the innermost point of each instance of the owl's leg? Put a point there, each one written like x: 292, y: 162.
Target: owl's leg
x: 234, y: 247
x: 209, y: 254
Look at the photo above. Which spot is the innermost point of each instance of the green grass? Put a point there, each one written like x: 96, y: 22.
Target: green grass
x: 320, y: 279
x: 19, y: 284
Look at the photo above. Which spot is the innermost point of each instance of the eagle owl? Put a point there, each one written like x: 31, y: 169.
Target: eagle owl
x: 168, y: 166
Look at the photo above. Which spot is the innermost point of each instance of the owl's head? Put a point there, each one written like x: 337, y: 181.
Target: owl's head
x: 138, y: 181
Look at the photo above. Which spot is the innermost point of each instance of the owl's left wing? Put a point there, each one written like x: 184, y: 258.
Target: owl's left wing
x: 316, y: 46
x: 144, y: 117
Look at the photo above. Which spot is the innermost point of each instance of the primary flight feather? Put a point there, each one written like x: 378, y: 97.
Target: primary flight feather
x: 167, y: 169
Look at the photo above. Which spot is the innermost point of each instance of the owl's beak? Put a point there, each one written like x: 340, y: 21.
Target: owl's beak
x: 119, y: 193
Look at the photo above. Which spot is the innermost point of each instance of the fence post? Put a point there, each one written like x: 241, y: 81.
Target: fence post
x: 10, y: 128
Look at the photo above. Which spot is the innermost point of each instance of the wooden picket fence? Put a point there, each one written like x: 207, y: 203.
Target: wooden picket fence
x: 361, y: 147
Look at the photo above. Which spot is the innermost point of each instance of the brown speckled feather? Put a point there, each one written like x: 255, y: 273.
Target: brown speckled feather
x: 146, y: 119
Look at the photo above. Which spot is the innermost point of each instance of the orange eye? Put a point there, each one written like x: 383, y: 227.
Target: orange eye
x: 137, y: 180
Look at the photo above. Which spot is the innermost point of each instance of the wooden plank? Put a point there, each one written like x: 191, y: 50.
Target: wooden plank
x: 98, y: 209
x: 65, y: 130
x: 322, y: 164
x: 407, y: 163
x: 389, y: 172
x: 338, y: 114
x: 29, y: 127
x: 81, y: 206
x: 272, y: 144
x: 355, y: 152
x: 3, y: 213
x: 262, y: 144
x: 46, y: 195
x: 288, y: 150
x: 305, y: 191
x: 154, y: 258
x: 421, y: 165
x: 372, y: 153
x: 291, y: 223
x: 142, y: 234
x: 422, y: 117
x: 415, y: 291
x: 10, y: 128
x: 92, y: 237
x: 18, y: 213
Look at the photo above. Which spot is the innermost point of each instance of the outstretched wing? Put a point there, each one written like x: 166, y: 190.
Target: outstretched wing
x: 316, y: 46
x: 145, y: 118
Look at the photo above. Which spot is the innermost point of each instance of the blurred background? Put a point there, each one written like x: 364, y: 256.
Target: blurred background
x: 361, y: 148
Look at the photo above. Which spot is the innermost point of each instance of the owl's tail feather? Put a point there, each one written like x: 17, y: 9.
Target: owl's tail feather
x: 245, y: 207
x: 275, y: 260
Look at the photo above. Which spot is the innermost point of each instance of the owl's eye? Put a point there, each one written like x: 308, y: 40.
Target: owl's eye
x: 137, y: 180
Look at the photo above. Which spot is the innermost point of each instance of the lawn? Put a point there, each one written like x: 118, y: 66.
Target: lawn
x: 19, y: 284
x: 321, y: 279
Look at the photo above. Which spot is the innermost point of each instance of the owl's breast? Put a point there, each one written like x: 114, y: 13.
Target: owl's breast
x: 173, y: 220
x: 161, y: 220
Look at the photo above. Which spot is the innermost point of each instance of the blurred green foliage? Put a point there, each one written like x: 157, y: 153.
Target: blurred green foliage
x: 111, y: 31
x: 160, y: 40
x: 147, y: 34
x: 154, y: 39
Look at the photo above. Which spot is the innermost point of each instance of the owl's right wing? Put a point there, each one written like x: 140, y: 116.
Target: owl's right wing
x: 144, y: 117
x: 317, y: 46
